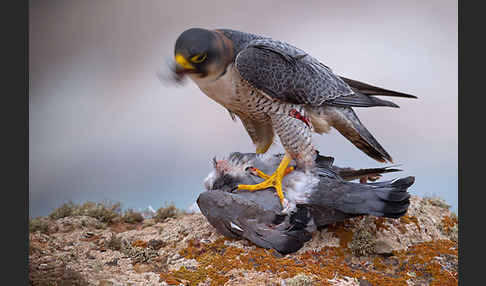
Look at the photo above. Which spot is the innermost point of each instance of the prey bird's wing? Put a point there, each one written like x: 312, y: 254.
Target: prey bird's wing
x: 288, y: 74
x: 349, y: 174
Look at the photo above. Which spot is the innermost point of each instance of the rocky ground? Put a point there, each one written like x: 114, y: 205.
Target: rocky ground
x: 89, y: 248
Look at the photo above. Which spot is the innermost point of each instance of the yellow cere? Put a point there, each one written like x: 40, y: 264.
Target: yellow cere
x: 183, y: 62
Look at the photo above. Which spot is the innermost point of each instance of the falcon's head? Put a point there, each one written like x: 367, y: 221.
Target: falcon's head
x: 202, y: 53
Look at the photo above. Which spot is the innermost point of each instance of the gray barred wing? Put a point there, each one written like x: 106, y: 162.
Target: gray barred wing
x: 288, y: 74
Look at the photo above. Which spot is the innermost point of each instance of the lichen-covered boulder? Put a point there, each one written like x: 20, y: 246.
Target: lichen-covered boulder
x: 421, y: 249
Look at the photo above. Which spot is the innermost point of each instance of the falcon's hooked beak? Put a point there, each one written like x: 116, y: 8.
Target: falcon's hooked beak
x: 181, y: 60
x: 183, y: 66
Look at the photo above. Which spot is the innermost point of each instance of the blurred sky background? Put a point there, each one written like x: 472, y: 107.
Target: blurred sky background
x: 103, y: 127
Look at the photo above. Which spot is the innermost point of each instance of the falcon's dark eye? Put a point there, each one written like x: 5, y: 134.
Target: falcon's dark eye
x: 199, y: 58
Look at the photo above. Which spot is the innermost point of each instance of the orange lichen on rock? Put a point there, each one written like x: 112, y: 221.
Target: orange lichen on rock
x: 343, y: 232
x: 406, y: 219
x: 139, y: 243
x: 187, y: 251
x: 422, y: 259
x: 170, y: 279
x: 410, y: 219
x: 378, y: 264
x: 448, y: 223
x: 380, y: 223
x: 216, y: 259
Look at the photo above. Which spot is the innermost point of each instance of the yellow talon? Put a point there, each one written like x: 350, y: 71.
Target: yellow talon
x: 274, y: 181
x: 266, y: 177
x: 260, y: 173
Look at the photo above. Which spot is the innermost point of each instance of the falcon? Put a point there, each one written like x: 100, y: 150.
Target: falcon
x: 276, y: 89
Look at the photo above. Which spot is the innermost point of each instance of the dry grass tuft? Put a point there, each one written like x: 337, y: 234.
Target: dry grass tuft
x: 114, y: 243
x: 39, y: 224
x: 105, y: 212
x: 169, y: 211
x: 438, y: 202
x: 132, y: 216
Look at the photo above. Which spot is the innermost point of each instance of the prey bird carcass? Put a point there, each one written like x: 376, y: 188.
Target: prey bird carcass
x: 323, y: 196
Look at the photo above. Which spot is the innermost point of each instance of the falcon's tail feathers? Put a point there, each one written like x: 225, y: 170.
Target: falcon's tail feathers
x: 348, y: 124
x: 361, y: 100
x: 369, y: 89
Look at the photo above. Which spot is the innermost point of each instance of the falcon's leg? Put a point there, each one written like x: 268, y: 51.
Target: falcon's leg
x: 295, y: 134
x: 260, y: 133
x: 275, y: 180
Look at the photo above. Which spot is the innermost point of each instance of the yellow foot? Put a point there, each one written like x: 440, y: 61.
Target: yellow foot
x: 275, y: 180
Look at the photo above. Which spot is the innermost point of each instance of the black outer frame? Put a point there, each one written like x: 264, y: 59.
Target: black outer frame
x: 470, y: 119
x: 14, y: 23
